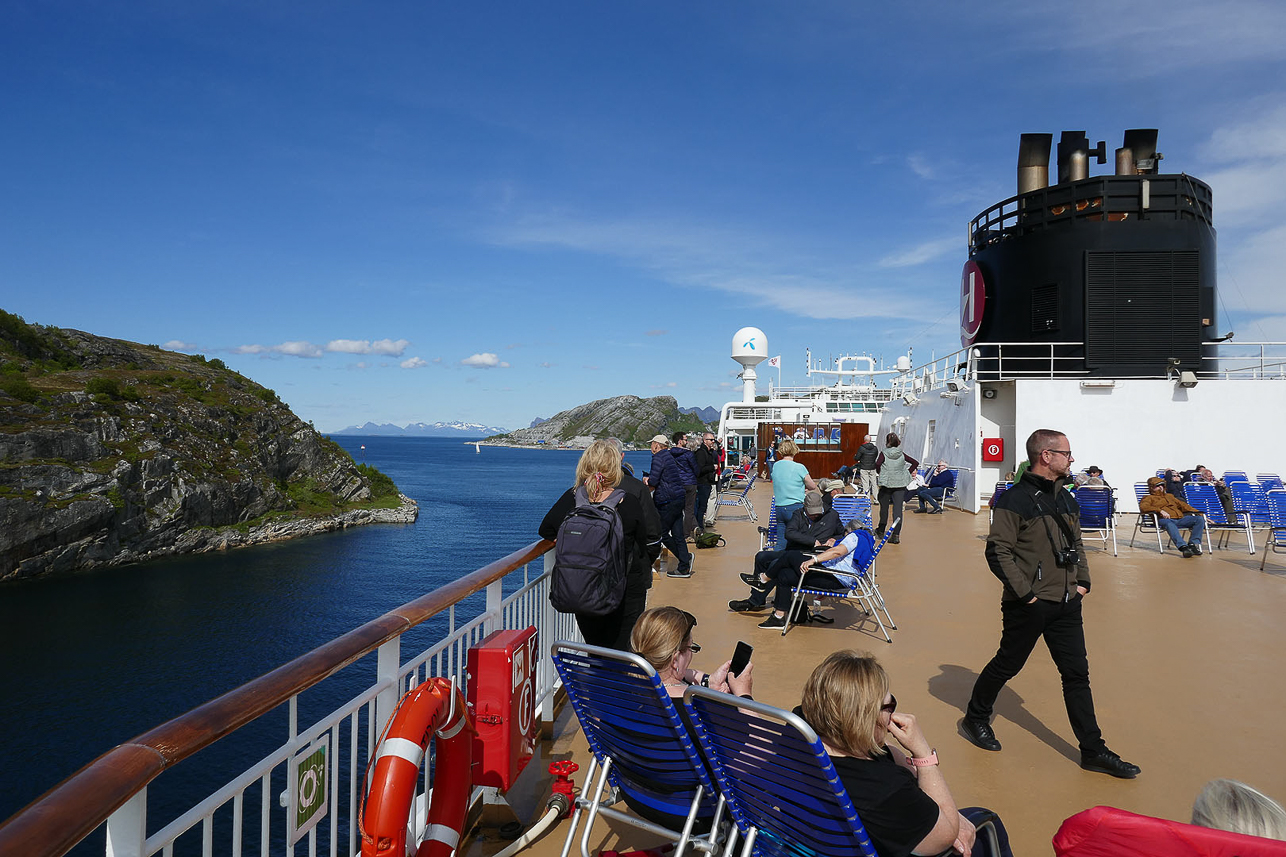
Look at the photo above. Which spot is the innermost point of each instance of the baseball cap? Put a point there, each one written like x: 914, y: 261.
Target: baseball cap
x: 661, y: 439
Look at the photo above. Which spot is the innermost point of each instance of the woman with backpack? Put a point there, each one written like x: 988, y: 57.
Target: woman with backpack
x: 609, y: 572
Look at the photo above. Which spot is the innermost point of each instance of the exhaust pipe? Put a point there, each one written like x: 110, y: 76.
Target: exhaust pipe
x: 1033, y: 162
x: 1142, y: 143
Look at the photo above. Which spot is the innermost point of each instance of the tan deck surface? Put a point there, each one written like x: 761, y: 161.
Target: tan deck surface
x: 1184, y: 661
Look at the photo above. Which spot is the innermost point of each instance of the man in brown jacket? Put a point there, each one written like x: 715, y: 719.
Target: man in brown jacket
x: 1172, y: 515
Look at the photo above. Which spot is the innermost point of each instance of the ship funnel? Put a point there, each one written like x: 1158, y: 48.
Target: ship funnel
x: 1033, y: 162
x: 749, y: 348
x: 1142, y: 145
x: 1074, y: 155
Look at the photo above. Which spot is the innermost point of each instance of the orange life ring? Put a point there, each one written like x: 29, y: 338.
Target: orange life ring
x: 428, y: 711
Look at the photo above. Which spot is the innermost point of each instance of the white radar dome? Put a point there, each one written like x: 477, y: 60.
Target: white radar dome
x: 749, y: 346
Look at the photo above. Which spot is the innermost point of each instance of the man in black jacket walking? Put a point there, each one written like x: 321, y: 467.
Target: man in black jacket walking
x: 707, y: 463
x: 1035, y: 549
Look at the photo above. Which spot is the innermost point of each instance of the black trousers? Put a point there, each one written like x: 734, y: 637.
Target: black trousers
x: 782, y: 568
x: 1060, y: 624
x: 671, y: 514
x: 896, y: 496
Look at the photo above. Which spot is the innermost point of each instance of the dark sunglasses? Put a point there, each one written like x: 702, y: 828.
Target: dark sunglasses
x: 694, y: 648
x: 890, y: 706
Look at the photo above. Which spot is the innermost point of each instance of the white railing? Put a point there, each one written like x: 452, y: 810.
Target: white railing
x: 220, y: 823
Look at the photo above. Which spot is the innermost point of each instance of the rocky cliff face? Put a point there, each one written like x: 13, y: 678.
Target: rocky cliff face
x: 113, y: 452
x: 629, y: 418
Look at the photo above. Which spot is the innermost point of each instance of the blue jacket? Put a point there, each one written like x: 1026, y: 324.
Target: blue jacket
x: 945, y: 479
x: 664, y: 477
x: 688, y: 467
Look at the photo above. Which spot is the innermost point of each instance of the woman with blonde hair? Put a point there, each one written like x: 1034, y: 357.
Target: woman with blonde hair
x: 1235, y: 806
x: 598, y: 473
x: 901, y: 797
x: 663, y: 637
x: 790, y: 481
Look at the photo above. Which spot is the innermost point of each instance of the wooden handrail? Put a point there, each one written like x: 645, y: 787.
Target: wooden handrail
x: 53, y: 823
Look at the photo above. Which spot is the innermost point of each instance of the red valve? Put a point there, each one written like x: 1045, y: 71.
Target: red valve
x: 562, y: 783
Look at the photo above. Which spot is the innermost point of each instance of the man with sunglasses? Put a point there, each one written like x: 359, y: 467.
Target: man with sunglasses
x: 1035, y: 549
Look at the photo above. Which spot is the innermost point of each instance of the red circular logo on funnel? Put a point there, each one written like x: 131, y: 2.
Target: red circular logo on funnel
x: 973, y: 299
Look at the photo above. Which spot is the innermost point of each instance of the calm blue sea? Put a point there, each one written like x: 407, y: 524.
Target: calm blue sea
x: 91, y: 661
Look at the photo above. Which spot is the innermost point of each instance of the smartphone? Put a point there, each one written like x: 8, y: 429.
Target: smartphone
x: 740, y: 658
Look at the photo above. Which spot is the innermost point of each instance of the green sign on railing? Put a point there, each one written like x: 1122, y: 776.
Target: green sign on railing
x: 308, y: 777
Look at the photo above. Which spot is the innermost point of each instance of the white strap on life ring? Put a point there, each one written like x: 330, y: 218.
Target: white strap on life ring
x: 441, y: 833
x: 402, y: 749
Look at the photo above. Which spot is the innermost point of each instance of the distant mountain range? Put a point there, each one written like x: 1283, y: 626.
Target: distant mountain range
x: 452, y: 429
x: 706, y: 415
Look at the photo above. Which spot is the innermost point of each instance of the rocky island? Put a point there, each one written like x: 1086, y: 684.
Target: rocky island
x: 113, y: 452
x: 629, y: 418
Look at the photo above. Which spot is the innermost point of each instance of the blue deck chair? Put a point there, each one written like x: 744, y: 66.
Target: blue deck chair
x: 1269, y: 482
x: 1277, y: 530
x: 1146, y: 522
x: 1230, y: 476
x: 1001, y: 488
x: 852, y: 506
x: 742, y: 500
x: 780, y: 784
x: 949, y: 496
x: 1202, y: 497
x: 1098, y: 514
x: 820, y: 583
x: 1249, y: 498
x: 640, y: 747
x: 768, y: 534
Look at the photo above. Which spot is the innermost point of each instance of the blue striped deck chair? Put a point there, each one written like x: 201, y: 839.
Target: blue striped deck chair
x: 1277, y: 530
x: 640, y: 745
x: 768, y: 534
x: 1202, y: 497
x: 1248, y: 497
x: 1269, y: 481
x: 852, y: 506
x: 1001, y: 488
x: 1230, y: 476
x: 950, y: 496
x: 782, y: 789
x: 1098, y: 514
x: 742, y: 500
x: 818, y: 583
x: 1146, y: 522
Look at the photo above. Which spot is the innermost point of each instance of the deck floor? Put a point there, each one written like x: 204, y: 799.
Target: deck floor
x: 1184, y: 663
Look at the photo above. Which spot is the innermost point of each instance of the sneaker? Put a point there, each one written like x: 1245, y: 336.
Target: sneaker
x: 920, y: 511
x: 1196, y: 548
x: 745, y: 606
x: 979, y: 734
x: 679, y: 572
x: 937, y: 511
x: 1186, y: 550
x: 1107, y: 762
x: 753, y: 581
x: 774, y: 622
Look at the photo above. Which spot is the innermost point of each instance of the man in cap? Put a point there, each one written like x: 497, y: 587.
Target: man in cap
x: 667, y: 483
x: 1172, y: 515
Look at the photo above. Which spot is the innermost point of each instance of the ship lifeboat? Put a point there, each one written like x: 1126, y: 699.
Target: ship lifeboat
x: 433, y: 711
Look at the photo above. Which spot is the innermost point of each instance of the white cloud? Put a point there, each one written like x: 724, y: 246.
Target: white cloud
x: 291, y: 349
x: 390, y: 347
x: 413, y: 363
x: 180, y: 345
x: 920, y: 165
x: 485, y: 360
x: 921, y: 253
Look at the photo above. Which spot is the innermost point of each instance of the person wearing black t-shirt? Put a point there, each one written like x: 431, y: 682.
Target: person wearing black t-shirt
x: 901, y: 797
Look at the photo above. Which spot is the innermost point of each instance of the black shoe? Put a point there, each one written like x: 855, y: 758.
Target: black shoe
x: 1196, y: 548
x: 937, y: 511
x: 879, y: 532
x: 753, y: 581
x: 745, y: 606
x: 1186, y: 550
x: 895, y: 540
x: 679, y: 572
x: 1107, y: 762
x: 773, y: 622
x: 920, y: 511
x: 979, y: 734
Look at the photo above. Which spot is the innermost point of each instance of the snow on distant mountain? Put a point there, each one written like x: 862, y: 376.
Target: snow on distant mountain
x: 451, y: 429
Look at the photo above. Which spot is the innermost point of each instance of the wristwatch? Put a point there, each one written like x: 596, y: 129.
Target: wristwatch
x: 927, y: 761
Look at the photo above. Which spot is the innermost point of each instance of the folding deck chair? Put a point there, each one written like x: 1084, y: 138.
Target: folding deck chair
x: 1202, y: 497
x: 852, y: 506
x: 1146, y: 522
x: 1269, y: 481
x: 820, y: 583
x: 1001, y: 488
x: 950, y: 496
x: 742, y: 500
x: 768, y: 534
x: 1277, y: 528
x: 1249, y: 498
x: 780, y: 784
x: 1098, y: 514
x: 640, y: 747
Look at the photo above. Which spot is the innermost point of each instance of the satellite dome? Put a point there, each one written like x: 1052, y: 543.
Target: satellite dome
x: 749, y: 346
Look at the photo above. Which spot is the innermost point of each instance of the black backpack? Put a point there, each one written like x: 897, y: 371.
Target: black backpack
x: 590, y: 558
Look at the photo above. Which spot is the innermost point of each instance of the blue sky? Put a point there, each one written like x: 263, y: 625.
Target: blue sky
x: 494, y: 211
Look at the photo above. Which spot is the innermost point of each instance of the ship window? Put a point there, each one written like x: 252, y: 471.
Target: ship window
x: 1044, y: 308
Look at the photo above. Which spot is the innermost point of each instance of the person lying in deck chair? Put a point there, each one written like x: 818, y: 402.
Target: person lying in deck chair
x: 782, y: 571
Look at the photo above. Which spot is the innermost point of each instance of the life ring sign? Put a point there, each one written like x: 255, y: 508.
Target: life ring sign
x: 973, y: 302
x: 433, y: 711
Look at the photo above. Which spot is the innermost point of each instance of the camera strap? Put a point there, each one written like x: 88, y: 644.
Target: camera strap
x: 1058, y: 519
